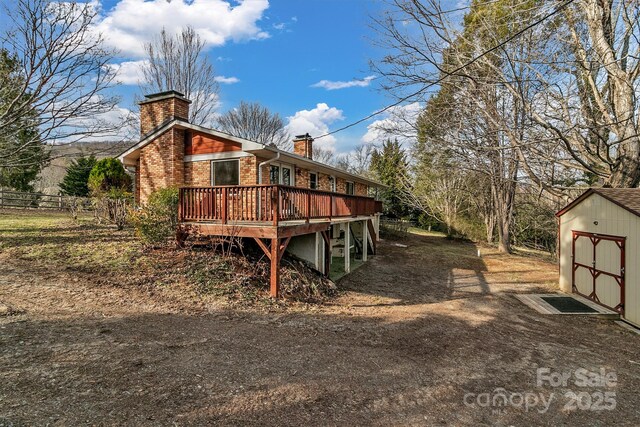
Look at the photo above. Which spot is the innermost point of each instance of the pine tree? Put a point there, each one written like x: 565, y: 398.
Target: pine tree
x: 75, y: 182
x: 389, y: 165
x: 25, y: 154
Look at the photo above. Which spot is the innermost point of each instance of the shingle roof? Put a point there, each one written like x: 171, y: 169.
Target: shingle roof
x: 626, y: 198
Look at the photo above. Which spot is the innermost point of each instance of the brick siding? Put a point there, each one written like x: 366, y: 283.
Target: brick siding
x: 156, y: 113
x: 303, y: 147
x: 248, y: 170
x: 161, y: 164
x: 197, y: 174
x: 302, y: 177
x: 361, y: 189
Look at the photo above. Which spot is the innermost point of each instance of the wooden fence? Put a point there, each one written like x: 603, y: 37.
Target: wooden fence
x: 18, y: 199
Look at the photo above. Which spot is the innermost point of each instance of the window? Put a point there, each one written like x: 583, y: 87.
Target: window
x: 350, y: 188
x: 274, y: 174
x: 313, y: 180
x: 280, y: 174
x: 286, y: 176
x: 225, y: 172
x: 332, y: 183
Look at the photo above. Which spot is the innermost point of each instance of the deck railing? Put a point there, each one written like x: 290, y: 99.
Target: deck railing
x: 269, y: 203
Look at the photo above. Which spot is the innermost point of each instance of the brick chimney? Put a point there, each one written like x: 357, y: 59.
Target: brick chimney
x: 303, y: 146
x: 160, y: 108
x: 161, y: 162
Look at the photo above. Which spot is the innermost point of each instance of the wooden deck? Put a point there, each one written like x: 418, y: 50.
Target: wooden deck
x: 270, y: 214
x: 269, y: 204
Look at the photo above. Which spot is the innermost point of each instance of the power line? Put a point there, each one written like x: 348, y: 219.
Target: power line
x: 460, y: 68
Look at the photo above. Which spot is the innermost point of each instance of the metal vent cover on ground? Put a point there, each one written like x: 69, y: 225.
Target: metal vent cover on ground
x: 566, y: 304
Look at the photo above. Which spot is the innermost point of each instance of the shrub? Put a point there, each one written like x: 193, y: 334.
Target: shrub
x: 157, y: 221
x: 108, y: 175
x: 113, y: 206
x: 110, y: 186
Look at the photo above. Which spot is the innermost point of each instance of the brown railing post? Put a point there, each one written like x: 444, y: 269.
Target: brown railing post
x: 225, y: 202
x: 308, y: 205
x: 180, y: 201
x: 330, y: 206
x: 275, y: 203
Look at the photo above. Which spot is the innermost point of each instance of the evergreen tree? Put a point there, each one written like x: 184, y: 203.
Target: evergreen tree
x: 75, y: 182
x: 26, y: 155
x: 389, y: 166
x: 109, y: 177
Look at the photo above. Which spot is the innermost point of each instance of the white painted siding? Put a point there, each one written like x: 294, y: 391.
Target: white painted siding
x: 304, y: 247
x: 612, y: 220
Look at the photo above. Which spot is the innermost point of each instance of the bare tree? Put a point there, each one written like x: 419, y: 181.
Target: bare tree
x: 64, y: 77
x: 442, y: 197
x: 177, y: 62
x: 323, y: 155
x: 574, y: 68
x: 254, y: 122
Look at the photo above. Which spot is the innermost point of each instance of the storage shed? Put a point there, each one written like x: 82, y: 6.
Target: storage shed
x: 599, y: 235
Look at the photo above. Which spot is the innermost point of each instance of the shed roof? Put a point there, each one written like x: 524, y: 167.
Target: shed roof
x: 626, y: 198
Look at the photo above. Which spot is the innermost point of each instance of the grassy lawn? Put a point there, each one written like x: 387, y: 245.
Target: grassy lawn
x: 54, y: 240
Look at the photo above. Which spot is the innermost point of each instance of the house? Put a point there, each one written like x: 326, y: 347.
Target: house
x: 599, y: 243
x: 231, y: 186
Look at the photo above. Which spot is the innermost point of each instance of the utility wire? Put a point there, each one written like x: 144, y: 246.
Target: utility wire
x: 460, y: 68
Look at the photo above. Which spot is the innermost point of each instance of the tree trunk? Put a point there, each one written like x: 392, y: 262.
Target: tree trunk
x: 504, y: 192
x: 490, y: 225
x: 504, y: 236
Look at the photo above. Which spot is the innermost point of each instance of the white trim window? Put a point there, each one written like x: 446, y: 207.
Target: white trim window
x: 225, y: 172
x: 313, y: 180
x: 350, y: 188
x: 332, y: 184
x: 282, y: 174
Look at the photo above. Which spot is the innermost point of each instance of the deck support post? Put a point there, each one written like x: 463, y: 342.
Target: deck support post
x: 275, y: 268
x: 347, y: 248
x: 365, y: 240
x: 327, y: 252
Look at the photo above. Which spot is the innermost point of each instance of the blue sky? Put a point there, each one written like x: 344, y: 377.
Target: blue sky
x: 284, y: 54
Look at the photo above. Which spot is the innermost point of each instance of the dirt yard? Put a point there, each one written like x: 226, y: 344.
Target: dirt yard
x: 418, y: 336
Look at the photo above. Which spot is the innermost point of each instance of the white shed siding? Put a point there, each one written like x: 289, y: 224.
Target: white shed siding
x: 613, y: 220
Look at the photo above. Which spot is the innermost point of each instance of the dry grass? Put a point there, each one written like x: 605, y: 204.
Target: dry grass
x: 101, y: 254
x: 407, y: 338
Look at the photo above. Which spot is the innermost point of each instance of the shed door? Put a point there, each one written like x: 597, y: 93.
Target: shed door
x: 598, y: 268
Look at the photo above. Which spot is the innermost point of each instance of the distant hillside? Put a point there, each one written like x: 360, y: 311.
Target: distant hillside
x: 61, y: 156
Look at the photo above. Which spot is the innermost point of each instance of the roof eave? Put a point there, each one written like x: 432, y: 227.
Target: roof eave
x: 128, y: 156
x: 319, y: 165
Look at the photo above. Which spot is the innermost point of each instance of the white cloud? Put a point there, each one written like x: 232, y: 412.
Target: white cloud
x: 130, y: 23
x: 315, y: 122
x: 117, y: 124
x: 226, y: 80
x: 333, y: 85
x: 397, y: 122
x: 128, y: 72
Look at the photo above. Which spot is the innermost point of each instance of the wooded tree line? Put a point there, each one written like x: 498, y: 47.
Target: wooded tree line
x: 524, y: 102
